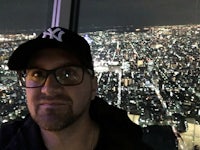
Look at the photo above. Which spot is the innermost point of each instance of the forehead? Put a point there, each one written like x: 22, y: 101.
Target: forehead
x: 52, y: 57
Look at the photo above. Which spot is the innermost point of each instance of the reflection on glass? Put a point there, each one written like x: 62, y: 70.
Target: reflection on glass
x: 153, y: 73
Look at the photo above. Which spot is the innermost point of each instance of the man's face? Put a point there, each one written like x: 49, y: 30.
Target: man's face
x: 54, y: 106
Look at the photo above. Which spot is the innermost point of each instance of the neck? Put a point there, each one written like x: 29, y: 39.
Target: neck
x: 78, y: 136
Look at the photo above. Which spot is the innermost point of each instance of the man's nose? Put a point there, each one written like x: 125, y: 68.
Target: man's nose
x: 51, y: 84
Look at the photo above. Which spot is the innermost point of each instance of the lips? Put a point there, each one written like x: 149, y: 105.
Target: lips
x: 54, y: 101
x: 54, y: 104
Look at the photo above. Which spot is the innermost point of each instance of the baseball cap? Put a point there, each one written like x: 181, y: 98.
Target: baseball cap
x: 55, y: 37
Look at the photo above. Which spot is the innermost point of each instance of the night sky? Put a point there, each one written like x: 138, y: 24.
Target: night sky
x: 139, y: 13
x: 25, y: 15
x: 31, y: 15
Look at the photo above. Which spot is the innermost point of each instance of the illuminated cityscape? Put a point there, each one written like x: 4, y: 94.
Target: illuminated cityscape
x: 153, y: 73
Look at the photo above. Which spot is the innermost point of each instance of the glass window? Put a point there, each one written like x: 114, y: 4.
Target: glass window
x: 20, y: 20
x: 146, y: 56
x: 25, y: 16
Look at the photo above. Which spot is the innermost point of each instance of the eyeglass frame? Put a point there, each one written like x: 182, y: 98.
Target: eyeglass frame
x: 22, y: 75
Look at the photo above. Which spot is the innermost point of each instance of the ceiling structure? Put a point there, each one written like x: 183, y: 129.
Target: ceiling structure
x: 29, y: 15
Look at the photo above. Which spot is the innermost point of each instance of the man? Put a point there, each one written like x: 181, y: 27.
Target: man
x: 57, y: 70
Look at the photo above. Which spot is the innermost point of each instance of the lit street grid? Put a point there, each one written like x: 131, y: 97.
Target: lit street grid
x: 152, y: 72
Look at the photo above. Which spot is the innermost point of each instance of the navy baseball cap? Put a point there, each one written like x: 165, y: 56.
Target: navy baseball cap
x: 55, y: 37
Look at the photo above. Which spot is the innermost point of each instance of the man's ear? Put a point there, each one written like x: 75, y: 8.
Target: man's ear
x: 94, y: 87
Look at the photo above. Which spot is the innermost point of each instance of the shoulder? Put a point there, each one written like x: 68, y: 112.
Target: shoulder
x: 7, y: 130
x: 116, y: 129
x: 10, y: 130
x: 111, y: 116
x: 23, y: 134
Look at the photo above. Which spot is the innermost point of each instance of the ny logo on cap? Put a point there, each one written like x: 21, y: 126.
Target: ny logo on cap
x: 54, y: 34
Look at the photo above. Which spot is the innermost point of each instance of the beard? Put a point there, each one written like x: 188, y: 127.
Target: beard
x: 55, y: 119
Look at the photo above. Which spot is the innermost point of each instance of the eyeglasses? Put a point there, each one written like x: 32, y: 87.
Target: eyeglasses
x: 65, y: 75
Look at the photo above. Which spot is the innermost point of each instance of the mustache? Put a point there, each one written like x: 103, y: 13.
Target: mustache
x: 54, y: 97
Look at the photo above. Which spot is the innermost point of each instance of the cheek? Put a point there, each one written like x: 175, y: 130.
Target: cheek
x: 80, y: 94
x: 88, y: 90
x: 83, y: 94
x: 31, y: 96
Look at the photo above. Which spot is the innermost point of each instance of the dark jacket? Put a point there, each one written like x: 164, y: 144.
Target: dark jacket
x: 117, y: 132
